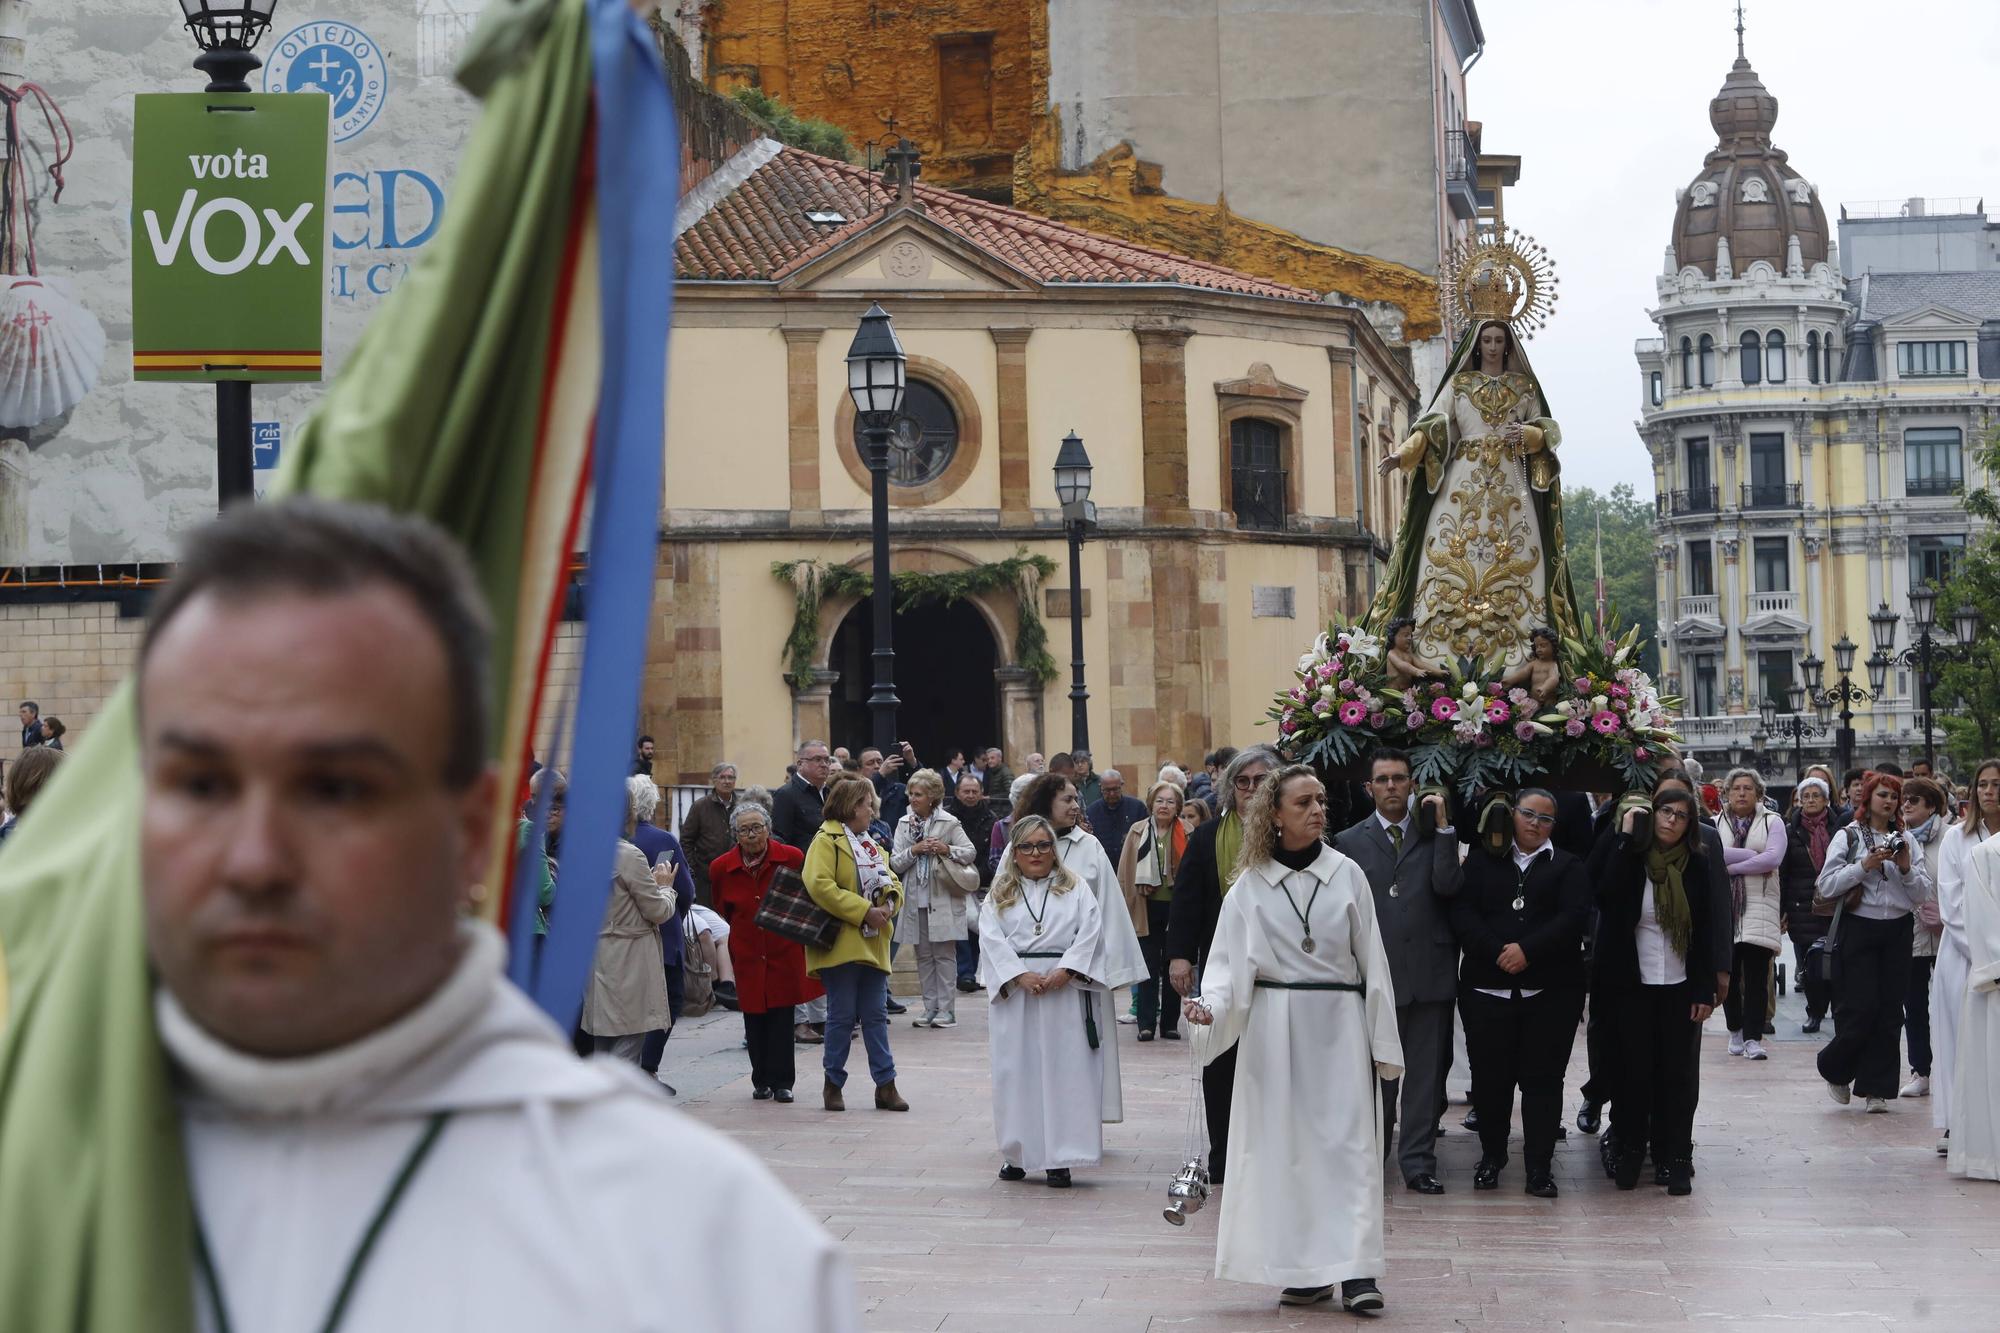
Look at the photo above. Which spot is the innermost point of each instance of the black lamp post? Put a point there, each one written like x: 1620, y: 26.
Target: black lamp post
x: 1079, y: 516
x: 226, y: 30
x: 876, y: 369
x: 1928, y: 651
x: 1793, y: 724
x: 1843, y: 695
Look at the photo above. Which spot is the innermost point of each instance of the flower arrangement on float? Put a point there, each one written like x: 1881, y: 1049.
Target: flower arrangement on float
x: 1466, y: 729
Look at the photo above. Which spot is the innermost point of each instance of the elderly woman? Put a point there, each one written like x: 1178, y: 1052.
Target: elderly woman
x: 847, y: 873
x: 1038, y: 943
x: 1877, y: 876
x: 770, y: 969
x: 1147, y: 865
x: 1654, y: 973
x: 1753, y: 849
x: 627, y: 997
x: 933, y: 856
x: 1298, y: 978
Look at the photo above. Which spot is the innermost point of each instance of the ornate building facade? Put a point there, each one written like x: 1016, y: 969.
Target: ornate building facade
x: 1810, y: 435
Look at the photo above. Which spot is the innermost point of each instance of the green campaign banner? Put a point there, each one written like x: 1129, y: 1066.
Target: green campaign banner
x: 228, y: 235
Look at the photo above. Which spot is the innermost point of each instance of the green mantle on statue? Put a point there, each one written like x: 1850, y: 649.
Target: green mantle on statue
x: 1480, y: 559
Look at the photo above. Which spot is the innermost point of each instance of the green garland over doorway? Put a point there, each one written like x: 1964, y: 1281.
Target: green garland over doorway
x: 813, y: 581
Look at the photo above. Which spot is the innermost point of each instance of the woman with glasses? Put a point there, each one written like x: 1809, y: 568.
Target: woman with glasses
x: 1519, y: 919
x: 770, y: 969
x: 1038, y: 944
x: 1657, y: 982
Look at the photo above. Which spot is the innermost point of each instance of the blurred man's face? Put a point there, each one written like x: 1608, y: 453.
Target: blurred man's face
x: 1113, y: 790
x: 725, y: 783
x: 304, y: 861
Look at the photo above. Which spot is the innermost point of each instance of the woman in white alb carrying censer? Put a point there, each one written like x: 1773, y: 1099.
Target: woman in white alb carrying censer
x: 1297, y: 978
x: 1038, y: 941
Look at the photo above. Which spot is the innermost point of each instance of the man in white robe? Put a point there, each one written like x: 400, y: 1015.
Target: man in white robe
x: 1975, y: 1085
x: 1119, y: 961
x: 1035, y: 955
x: 349, y: 1060
x: 1297, y: 977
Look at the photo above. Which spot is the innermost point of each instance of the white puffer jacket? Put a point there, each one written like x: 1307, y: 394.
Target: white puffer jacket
x: 1757, y: 861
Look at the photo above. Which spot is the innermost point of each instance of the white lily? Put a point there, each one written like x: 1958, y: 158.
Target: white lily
x: 1364, y: 645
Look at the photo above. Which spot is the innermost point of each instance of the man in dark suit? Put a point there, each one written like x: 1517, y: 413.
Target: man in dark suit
x: 1413, y: 873
x: 1208, y: 868
x: 795, y: 818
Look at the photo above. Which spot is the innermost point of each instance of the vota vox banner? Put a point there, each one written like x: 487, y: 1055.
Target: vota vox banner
x: 228, y: 236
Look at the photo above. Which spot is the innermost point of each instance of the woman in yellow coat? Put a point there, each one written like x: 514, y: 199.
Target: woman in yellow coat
x: 847, y: 873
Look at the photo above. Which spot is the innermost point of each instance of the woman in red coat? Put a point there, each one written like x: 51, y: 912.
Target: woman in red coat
x: 770, y: 969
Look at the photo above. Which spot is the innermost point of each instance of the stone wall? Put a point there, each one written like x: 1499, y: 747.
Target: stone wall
x: 68, y: 657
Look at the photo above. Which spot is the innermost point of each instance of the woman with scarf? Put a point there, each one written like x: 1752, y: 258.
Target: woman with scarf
x: 1653, y: 965
x: 1875, y: 876
x: 1753, y: 847
x: 770, y: 969
x: 1146, y: 868
x: 1951, y: 976
x: 933, y: 856
x: 1808, y: 832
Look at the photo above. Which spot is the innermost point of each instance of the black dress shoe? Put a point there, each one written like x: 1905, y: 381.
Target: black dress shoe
x: 760, y: 1094
x: 1471, y: 1120
x: 1424, y: 1184
x: 1541, y: 1184
x: 1012, y: 1172
x: 1810, y: 1025
x: 1486, y: 1176
x: 1059, y: 1178
x: 896, y: 1008
x: 781, y: 1095
x: 1659, y: 1173
x: 1360, y: 1295
x: 1170, y: 1034
x: 966, y: 985
x: 1626, y: 1174
x: 1589, y: 1118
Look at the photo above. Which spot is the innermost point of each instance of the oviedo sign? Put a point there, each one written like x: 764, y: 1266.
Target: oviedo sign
x: 228, y: 236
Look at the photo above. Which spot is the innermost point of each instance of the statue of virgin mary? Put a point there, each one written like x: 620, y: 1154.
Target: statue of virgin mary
x: 1479, y: 561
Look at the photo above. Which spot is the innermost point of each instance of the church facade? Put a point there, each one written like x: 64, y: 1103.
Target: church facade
x: 1812, y: 424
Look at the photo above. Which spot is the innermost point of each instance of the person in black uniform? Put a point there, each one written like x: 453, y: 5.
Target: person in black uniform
x: 1520, y: 920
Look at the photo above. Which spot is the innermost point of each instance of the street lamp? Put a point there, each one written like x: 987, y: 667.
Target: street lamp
x: 1843, y: 695
x: 876, y: 377
x: 1927, y: 651
x: 1795, y: 724
x: 1079, y: 516
x: 225, y: 30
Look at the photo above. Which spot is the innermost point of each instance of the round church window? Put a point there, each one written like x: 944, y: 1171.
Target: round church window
x: 925, y: 437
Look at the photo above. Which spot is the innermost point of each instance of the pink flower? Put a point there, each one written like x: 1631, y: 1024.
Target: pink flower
x: 1376, y: 720
x: 1583, y: 685
x: 1414, y: 720
x: 1288, y: 726
x: 1483, y: 740
x: 1347, y: 687
x: 1573, y: 727
x: 1444, y: 710
x: 1298, y: 694
x: 1322, y: 708
x: 1498, y: 712
x: 1524, y: 731
x: 1641, y: 754
x: 1496, y: 689
x: 1605, y: 722
x: 1437, y: 687
x: 1518, y: 696
x: 1352, y: 713
x: 1619, y: 692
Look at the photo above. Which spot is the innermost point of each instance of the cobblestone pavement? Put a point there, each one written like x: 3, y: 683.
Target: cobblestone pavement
x: 1805, y: 1214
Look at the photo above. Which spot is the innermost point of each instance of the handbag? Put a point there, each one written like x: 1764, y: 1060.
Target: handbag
x: 788, y: 910
x: 697, y: 973
x: 1824, y: 957
x: 962, y: 879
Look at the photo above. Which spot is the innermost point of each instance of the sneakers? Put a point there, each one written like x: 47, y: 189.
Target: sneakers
x: 1878, y: 1106
x: 1918, y: 1086
x: 1305, y: 1295
x: 945, y: 1020
x: 1736, y: 1043
x: 1360, y: 1295
x: 1839, y: 1092
x: 927, y: 1021
x: 1128, y: 1018
x: 1753, y: 1050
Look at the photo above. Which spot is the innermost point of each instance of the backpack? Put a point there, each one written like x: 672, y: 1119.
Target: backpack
x: 697, y: 973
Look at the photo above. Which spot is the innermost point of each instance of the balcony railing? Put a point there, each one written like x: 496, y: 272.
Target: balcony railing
x: 1694, y: 500
x: 1701, y: 608
x: 1461, y: 191
x: 1259, y: 495
x: 1773, y: 604
x: 1933, y: 486
x: 1770, y: 495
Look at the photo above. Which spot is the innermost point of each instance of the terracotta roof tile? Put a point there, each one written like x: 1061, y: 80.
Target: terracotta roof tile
x: 759, y: 233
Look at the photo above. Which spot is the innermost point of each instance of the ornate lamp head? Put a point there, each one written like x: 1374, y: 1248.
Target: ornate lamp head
x: 1503, y: 277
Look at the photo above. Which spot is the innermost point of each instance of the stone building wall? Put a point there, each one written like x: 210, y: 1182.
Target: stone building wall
x: 68, y: 657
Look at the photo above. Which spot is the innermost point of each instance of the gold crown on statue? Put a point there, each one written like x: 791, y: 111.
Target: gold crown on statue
x: 1499, y: 276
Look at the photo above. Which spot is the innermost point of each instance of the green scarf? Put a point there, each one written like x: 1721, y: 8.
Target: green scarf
x: 1666, y: 866
x: 1228, y: 850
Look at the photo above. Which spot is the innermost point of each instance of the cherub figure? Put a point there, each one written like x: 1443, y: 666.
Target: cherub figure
x: 1406, y: 668
x: 1541, y: 674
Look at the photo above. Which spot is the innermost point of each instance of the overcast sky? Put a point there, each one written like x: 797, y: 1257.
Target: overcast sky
x: 1606, y: 101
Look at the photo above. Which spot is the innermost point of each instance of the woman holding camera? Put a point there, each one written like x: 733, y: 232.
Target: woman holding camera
x: 1876, y: 871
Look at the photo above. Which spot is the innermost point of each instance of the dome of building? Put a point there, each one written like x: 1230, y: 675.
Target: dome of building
x: 1746, y: 195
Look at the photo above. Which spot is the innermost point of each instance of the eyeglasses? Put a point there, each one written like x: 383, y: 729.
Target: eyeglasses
x: 1671, y: 816
x: 1248, y: 782
x: 1538, y: 820
x: 1390, y: 779
x: 1035, y: 848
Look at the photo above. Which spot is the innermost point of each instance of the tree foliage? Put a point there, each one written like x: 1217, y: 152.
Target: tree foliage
x: 1968, y: 693
x: 789, y: 127
x: 1629, y: 567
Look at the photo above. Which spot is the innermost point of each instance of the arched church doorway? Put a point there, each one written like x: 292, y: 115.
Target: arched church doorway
x: 945, y: 659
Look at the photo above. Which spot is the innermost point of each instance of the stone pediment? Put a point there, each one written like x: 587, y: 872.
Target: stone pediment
x: 1779, y: 627
x: 1937, y: 316
x: 906, y: 252
x: 1697, y: 629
